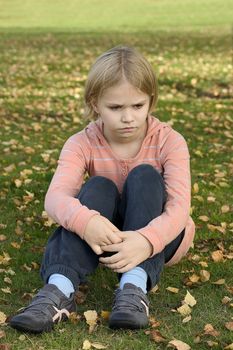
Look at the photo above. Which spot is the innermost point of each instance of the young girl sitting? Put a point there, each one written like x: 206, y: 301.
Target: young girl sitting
x: 132, y: 215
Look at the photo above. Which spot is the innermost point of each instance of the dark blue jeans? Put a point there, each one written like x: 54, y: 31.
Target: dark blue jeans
x: 143, y: 198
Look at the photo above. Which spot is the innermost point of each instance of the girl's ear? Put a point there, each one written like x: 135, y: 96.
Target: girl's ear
x: 94, y: 106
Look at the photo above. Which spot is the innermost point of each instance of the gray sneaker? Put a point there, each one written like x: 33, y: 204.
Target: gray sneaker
x: 49, y: 306
x: 130, y: 308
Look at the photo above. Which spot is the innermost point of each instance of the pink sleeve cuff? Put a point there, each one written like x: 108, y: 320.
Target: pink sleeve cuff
x: 153, y: 238
x: 83, y: 218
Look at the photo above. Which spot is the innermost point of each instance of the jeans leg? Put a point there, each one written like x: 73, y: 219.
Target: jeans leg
x: 143, y: 199
x: 66, y: 253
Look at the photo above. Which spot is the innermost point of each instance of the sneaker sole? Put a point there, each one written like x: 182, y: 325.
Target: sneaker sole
x: 123, y: 321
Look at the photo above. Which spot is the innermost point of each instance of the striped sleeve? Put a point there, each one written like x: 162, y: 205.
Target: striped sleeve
x: 175, y: 160
x: 60, y: 201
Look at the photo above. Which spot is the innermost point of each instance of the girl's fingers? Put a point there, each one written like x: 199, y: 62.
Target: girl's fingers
x: 111, y: 247
x: 111, y: 259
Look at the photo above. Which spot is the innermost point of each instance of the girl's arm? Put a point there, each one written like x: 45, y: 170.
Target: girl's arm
x: 175, y: 161
x: 60, y: 203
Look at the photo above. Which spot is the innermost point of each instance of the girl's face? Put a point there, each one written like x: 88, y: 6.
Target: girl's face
x: 123, y: 110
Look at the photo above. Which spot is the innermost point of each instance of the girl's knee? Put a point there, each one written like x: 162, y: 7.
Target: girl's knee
x: 99, y: 184
x: 145, y: 172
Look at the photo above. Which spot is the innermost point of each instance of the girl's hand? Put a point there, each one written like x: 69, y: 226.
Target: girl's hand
x: 134, y: 249
x: 100, y: 232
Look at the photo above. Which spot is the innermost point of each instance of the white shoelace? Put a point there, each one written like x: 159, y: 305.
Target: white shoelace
x: 59, y: 314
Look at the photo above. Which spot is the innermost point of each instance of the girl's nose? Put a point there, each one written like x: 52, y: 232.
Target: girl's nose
x: 126, y: 116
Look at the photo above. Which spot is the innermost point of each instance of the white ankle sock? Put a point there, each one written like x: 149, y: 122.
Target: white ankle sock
x: 63, y: 283
x: 136, y: 276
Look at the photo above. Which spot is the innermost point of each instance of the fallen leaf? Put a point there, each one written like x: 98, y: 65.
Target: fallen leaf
x: 226, y: 300
x: 156, y: 336
x: 225, y: 209
x: 86, y: 345
x: 173, y: 290
x: 195, y: 188
x: 179, y: 345
x: 2, y: 238
x: 209, y: 330
x: 91, y: 319
x: 219, y: 282
x: 229, y: 347
x: 5, y: 347
x: 204, y: 275
x: 105, y: 315
x: 2, y: 334
x: 217, y: 255
x: 189, y: 299
x: 211, y: 343
x: 2, y: 317
x: 98, y: 346
x: 203, y: 218
x: 229, y: 325
x: 187, y: 319
x: 184, y: 310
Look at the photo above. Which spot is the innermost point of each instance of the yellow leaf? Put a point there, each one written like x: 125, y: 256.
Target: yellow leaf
x: 156, y: 336
x: 18, y: 183
x: 187, y: 319
x: 217, y: 255
x: 189, y: 299
x: 203, y: 218
x: 225, y: 209
x: 6, y: 290
x: 229, y: 325
x: 209, y: 330
x: 226, y: 300
x: 204, y: 275
x: 173, y: 290
x: 2, y: 317
x: 229, y: 347
x: 196, y: 188
x: 179, y: 345
x: 91, y: 319
x: 194, y: 278
x: 105, y: 315
x: 184, y: 310
x: 86, y: 345
x: 220, y: 281
x: 98, y: 346
x: 2, y: 238
x: 15, y: 245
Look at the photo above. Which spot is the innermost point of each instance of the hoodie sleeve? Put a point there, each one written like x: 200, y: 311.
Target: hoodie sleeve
x: 176, y: 173
x: 60, y: 201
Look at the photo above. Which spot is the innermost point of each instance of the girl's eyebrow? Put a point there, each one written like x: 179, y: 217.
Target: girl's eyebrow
x: 118, y: 105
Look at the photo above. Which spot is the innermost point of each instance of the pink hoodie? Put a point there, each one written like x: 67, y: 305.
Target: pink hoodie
x: 89, y: 152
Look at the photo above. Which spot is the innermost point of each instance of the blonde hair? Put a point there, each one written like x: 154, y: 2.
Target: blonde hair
x: 109, y: 69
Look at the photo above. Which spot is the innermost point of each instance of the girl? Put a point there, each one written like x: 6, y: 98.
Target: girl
x: 132, y: 215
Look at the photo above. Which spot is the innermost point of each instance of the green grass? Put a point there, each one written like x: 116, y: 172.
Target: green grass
x: 121, y: 15
x: 41, y: 99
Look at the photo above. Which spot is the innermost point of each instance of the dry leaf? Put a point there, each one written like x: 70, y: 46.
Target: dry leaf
x: 173, y: 290
x: 204, y: 275
x: 6, y: 290
x: 226, y: 300
x: 2, y: 317
x: 91, y: 319
x: 211, y: 343
x: 154, y: 289
x: 5, y: 347
x: 229, y: 347
x: 195, y: 188
x: 2, y: 334
x: 153, y: 322
x: 156, y: 336
x: 194, y: 278
x: 217, y: 255
x: 86, y: 345
x: 219, y: 282
x: 179, y: 345
x: 225, y: 209
x: 2, y: 238
x: 203, y: 218
x: 98, y: 346
x: 187, y: 319
x: 229, y: 325
x: 184, y: 310
x: 189, y: 299
x: 105, y: 315
x: 209, y: 330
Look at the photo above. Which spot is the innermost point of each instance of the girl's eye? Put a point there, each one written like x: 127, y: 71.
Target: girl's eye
x: 138, y: 106
x: 114, y: 108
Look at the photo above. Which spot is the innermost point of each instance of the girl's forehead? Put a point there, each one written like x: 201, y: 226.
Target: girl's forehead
x: 122, y: 90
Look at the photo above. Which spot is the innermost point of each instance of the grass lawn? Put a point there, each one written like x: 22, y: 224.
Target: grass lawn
x: 42, y: 77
